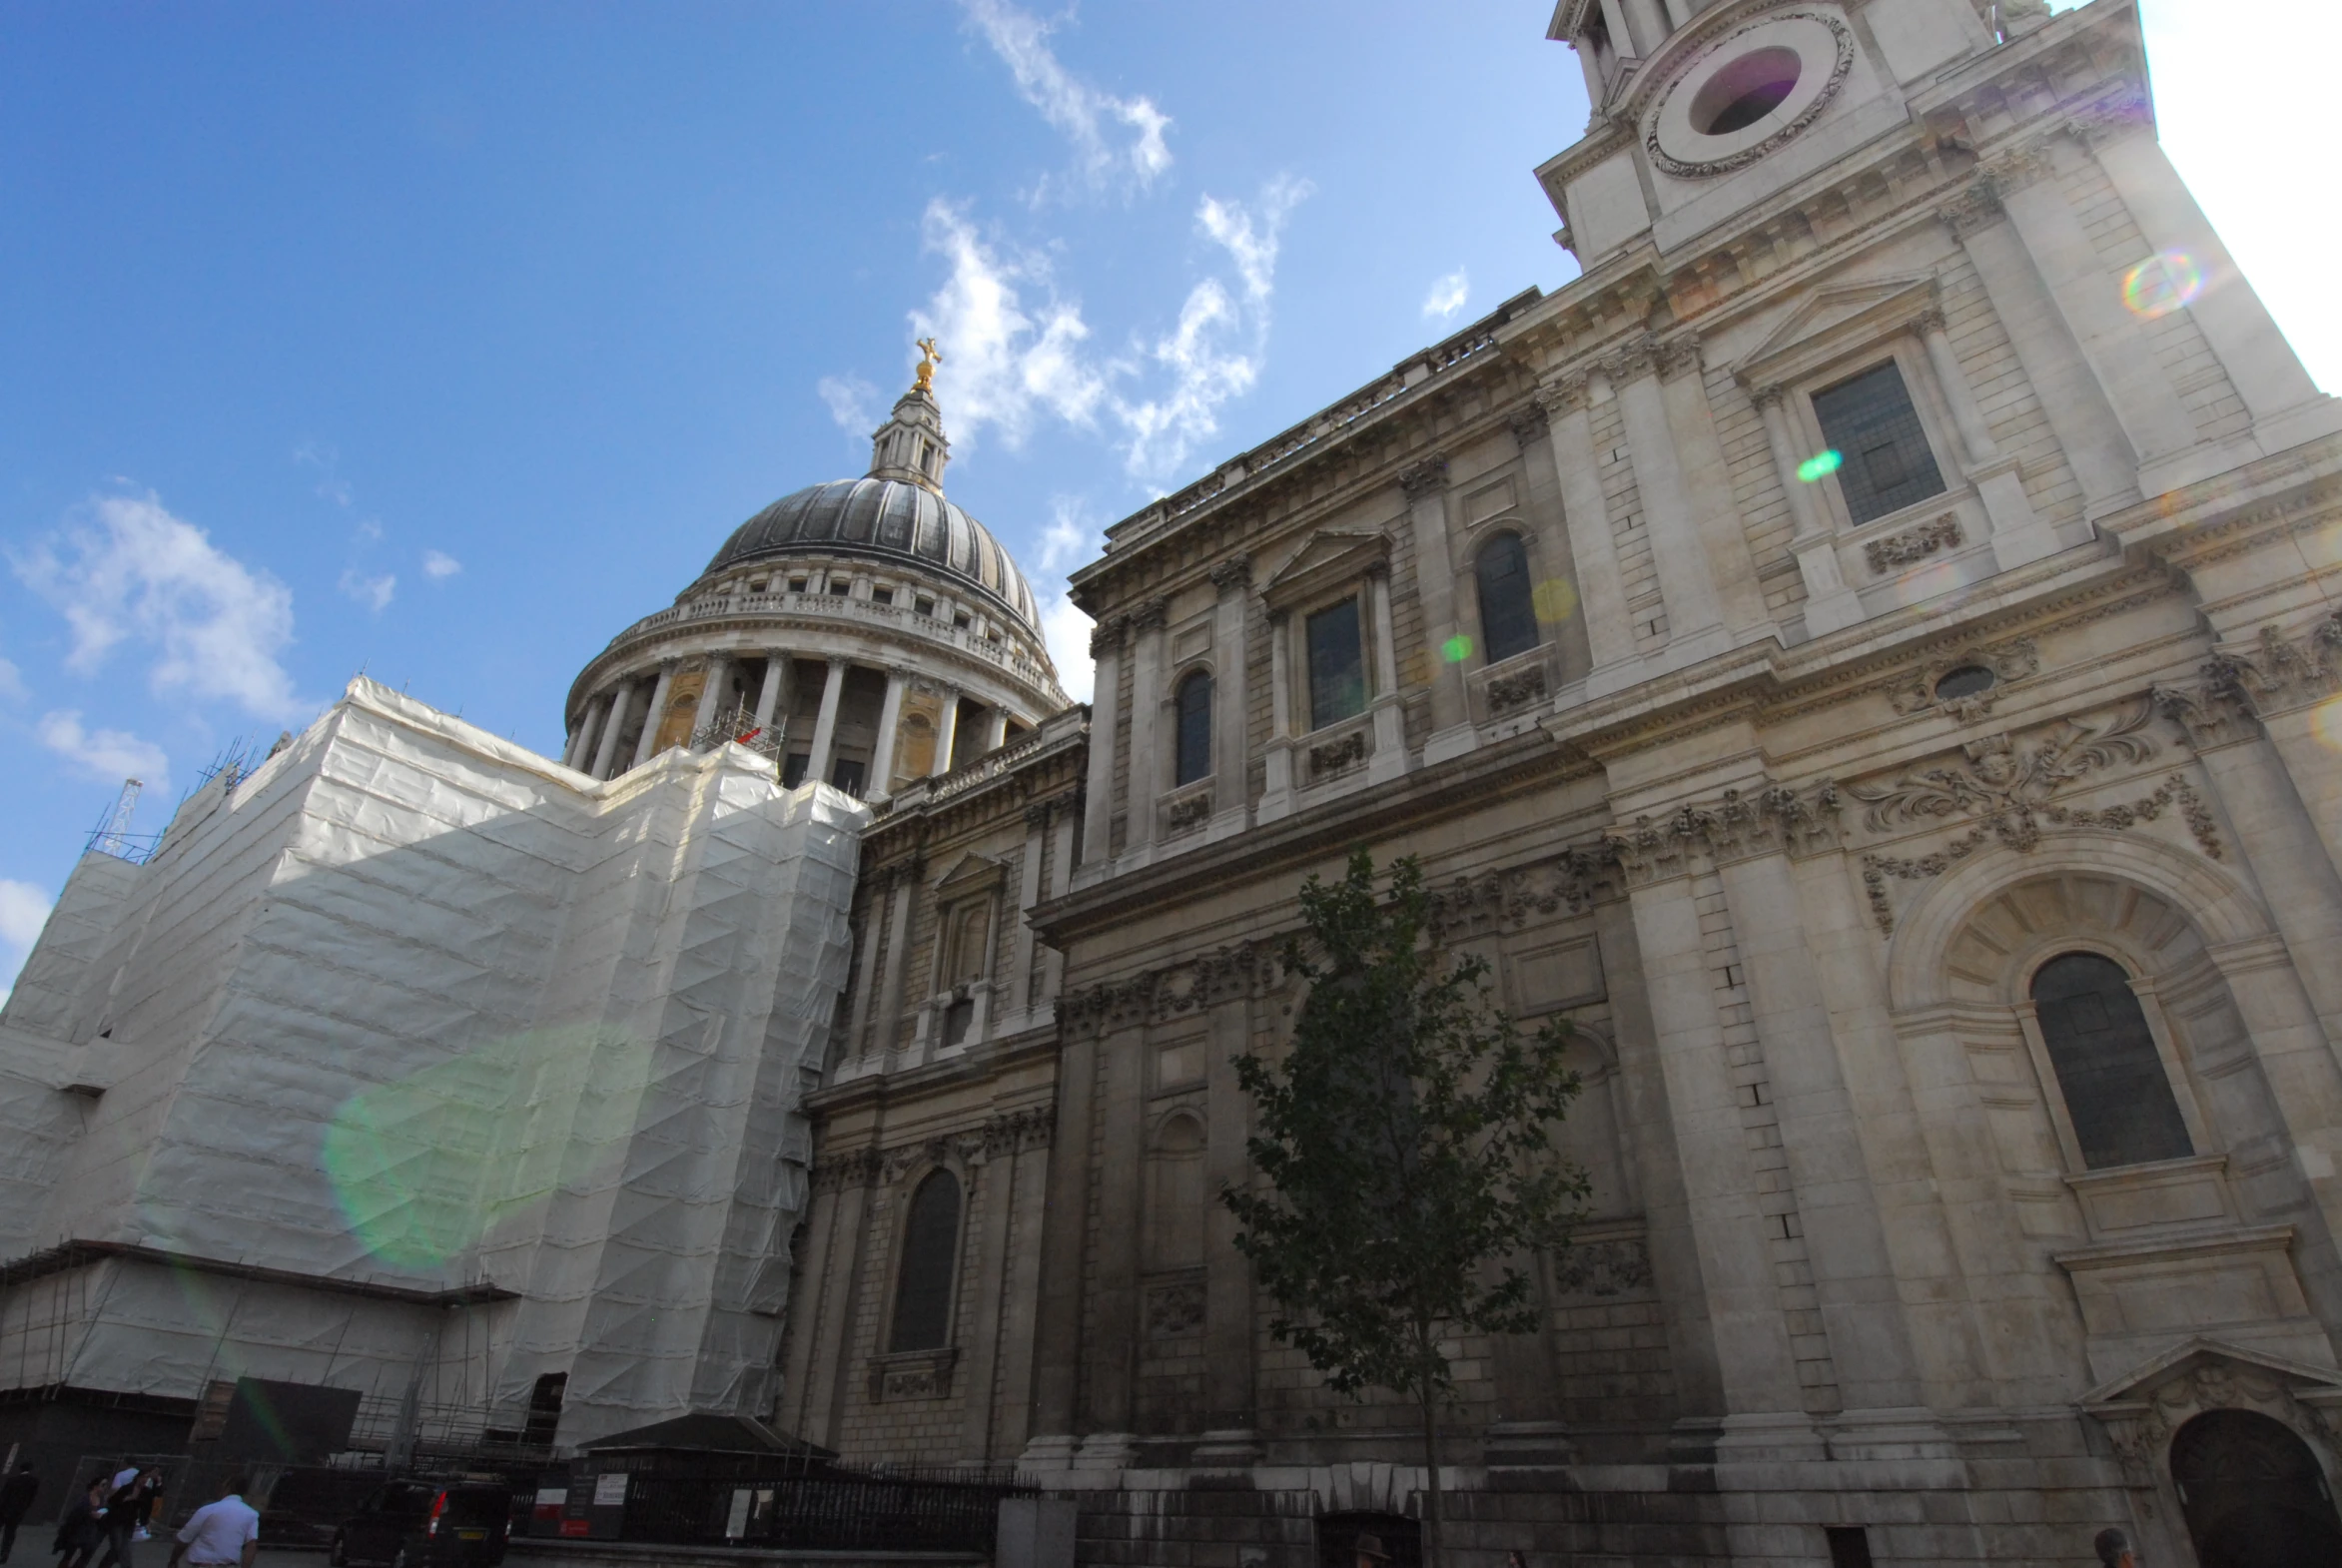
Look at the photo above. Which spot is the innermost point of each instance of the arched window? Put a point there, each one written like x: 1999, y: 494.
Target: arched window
x: 931, y: 1246
x: 1194, y: 742
x: 1508, y: 616
x: 2117, y: 1093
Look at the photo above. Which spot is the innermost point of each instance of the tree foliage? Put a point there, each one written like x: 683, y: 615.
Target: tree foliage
x: 1405, y: 1168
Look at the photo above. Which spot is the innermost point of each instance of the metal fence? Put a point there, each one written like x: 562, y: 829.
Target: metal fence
x: 834, y: 1509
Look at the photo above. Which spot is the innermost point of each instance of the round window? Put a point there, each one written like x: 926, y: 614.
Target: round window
x: 1745, y: 91
x: 1969, y: 680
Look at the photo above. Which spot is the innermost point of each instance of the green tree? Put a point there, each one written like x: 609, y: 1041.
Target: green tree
x: 1402, y: 1153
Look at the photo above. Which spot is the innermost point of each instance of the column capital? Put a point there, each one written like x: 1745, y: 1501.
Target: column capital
x: 1037, y: 817
x: 1977, y: 207
x: 2279, y: 673
x: 1151, y: 615
x: 1107, y: 634
x: 1234, y: 574
x: 1564, y: 394
x: 1767, y: 396
x: 1427, y: 476
x: 1678, y: 356
x: 1528, y: 424
x: 1928, y: 321
x: 1631, y: 361
x: 2019, y: 167
x: 2212, y: 715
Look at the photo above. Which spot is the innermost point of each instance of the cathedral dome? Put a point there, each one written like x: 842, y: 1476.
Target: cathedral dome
x: 883, y: 519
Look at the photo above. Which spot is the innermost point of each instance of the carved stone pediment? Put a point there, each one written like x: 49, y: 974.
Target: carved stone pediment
x: 1824, y: 323
x: 2143, y: 1406
x: 1331, y: 558
x: 970, y: 874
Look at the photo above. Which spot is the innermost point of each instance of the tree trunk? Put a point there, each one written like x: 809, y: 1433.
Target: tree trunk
x: 1428, y: 1391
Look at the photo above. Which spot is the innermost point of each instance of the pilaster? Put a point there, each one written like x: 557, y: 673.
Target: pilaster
x: 1231, y: 744
x: 1425, y: 485
x: 1593, y: 549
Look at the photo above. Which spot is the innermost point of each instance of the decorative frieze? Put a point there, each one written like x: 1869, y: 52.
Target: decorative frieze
x: 1337, y: 757
x: 1602, y: 1269
x: 1568, y: 882
x: 1225, y: 974
x: 1739, y: 825
x: 2280, y: 673
x: 1976, y: 208
x: 1187, y: 813
x: 1005, y: 1133
x: 1913, y: 545
x: 1175, y: 1311
x: 1565, y: 394
x: 1507, y: 692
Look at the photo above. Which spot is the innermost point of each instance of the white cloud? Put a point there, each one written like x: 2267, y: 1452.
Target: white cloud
x: 849, y: 399
x: 1216, y: 350
x: 1070, y: 532
x: 372, y: 592
x: 440, y: 564
x: 107, y: 755
x: 1004, y: 364
x: 11, y: 682
x: 1080, y: 113
x: 328, y: 461
x: 1448, y: 294
x: 1067, y: 630
x: 24, y: 909
x: 133, y: 573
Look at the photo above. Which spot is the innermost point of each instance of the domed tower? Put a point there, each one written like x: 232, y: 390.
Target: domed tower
x: 863, y: 631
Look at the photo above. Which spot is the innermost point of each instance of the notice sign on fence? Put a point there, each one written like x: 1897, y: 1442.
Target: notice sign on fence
x: 736, y: 1522
x: 610, y: 1489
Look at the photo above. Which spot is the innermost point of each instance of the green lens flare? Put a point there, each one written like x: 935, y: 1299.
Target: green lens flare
x: 1820, y: 464
x: 1456, y: 649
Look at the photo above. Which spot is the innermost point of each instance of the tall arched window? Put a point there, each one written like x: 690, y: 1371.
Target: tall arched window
x: 1508, y: 613
x: 1194, y: 731
x: 931, y: 1246
x: 2117, y: 1093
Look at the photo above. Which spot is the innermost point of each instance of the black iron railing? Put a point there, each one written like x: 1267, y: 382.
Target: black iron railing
x: 832, y: 1509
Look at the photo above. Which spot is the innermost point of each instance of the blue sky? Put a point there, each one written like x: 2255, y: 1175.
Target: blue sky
x: 443, y: 340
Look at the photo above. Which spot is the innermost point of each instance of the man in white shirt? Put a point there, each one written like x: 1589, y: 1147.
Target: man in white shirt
x: 225, y: 1534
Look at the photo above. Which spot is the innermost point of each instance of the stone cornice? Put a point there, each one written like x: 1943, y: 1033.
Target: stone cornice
x: 1006, y: 1133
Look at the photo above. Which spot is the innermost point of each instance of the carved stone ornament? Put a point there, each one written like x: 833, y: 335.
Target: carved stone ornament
x: 1037, y: 817
x: 1528, y: 425
x: 2009, y: 793
x: 1739, y: 825
x: 1685, y: 168
x: 1679, y: 355
x: 1107, y: 633
x: 1570, y: 881
x: 1233, y: 573
x: 1189, y: 813
x: 2009, y: 662
x: 2279, y: 673
x: 1913, y: 545
x: 2209, y: 1376
x: 1508, y: 692
x: 913, y: 1374
x: 2110, y: 119
x: 1631, y: 360
x: 1427, y: 477
x: 1337, y: 757
x: 1222, y: 975
x: 2212, y: 715
x: 1151, y: 615
x: 1565, y: 394
x: 1602, y: 1269
x: 2016, y: 167
x: 1976, y: 208
x: 1175, y: 1311
x: 1005, y: 1133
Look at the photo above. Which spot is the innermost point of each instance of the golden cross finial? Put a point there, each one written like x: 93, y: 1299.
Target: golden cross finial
x: 929, y: 357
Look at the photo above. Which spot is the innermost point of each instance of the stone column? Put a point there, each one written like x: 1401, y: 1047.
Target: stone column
x: 1830, y: 1192
x: 768, y: 696
x: 1276, y: 789
x: 712, y: 694
x: 2051, y: 361
x: 2156, y: 423
x: 658, y: 715
x: 1694, y: 617
x: 2018, y: 533
x: 1061, y: 881
x: 590, y: 729
x: 947, y: 733
x: 996, y: 728
x: 1105, y: 647
x: 1027, y: 895
x: 825, y: 728
x: 1647, y: 21
x: 1830, y: 604
x: 904, y: 885
x: 1228, y: 1400
x: 1707, y: 486
x: 2262, y: 364
x: 1147, y: 700
x: 1592, y: 68
x: 1593, y: 550
x: 874, y: 926
x: 1115, y: 1287
x: 1387, y: 707
x: 1230, y: 750
x: 988, y: 985
x: 1065, y: 1229
x: 1425, y: 484
x: 1764, y: 1401
x: 890, y: 718
x: 605, y: 755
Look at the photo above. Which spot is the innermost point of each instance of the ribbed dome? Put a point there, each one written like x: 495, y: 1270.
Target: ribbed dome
x: 884, y: 519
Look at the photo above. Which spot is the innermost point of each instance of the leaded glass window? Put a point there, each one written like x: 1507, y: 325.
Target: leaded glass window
x: 1195, y: 729
x: 1884, y: 463
x: 2117, y: 1095
x: 931, y: 1246
x: 1337, y: 665
x: 1509, y: 617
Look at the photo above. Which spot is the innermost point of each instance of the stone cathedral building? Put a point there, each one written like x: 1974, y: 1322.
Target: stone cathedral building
x: 1866, y: 652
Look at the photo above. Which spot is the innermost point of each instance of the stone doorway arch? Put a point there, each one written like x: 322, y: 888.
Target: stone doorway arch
x: 2253, y: 1494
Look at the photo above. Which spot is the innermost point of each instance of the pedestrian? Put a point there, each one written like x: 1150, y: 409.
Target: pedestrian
x: 82, y: 1530
x: 2113, y: 1549
x: 16, y: 1500
x: 223, y: 1534
x: 127, y: 1507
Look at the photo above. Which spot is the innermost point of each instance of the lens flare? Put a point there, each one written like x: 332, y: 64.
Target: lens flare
x: 2163, y: 282
x: 1554, y: 599
x: 1822, y: 462
x: 1456, y: 649
x: 2325, y: 722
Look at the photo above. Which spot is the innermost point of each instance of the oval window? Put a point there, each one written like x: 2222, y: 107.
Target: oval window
x: 1745, y: 91
x: 1969, y: 680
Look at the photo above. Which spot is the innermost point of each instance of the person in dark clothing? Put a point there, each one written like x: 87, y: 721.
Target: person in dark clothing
x: 16, y: 1500
x: 127, y: 1507
x: 83, y: 1529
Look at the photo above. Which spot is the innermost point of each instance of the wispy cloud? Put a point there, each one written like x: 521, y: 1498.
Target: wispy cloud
x: 106, y: 755
x: 24, y: 909
x: 1118, y: 142
x: 326, y: 460
x: 12, y: 688
x: 1007, y: 361
x: 849, y: 399
x: 129, y: 573
x: 372, y: 592
x: 1216, y: 350
x: 439, y: 565
x: 1069, y: 531
x: 1448, y: 294
x: 1067, y: 631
